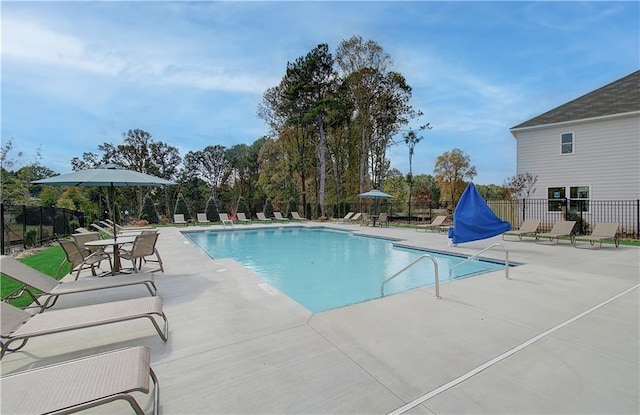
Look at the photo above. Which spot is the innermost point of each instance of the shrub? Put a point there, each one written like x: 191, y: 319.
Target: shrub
x: 149, y: 212
x: 30, y: 237
x: 268, y: 208
x: 242, y: 207
x: 582, y: 226
x: 292, y: 206
x: 181, y: 207
x: 212, y: 210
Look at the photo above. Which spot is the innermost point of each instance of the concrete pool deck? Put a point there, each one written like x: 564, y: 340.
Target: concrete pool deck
x: 561, y: 336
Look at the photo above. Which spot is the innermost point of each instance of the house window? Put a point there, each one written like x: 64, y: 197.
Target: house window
x: 579, y: 196
x: 556, y: 196
x: 566, y: 143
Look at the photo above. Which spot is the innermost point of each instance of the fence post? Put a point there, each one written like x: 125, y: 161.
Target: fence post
x: 2, y: 225
x: 41, y: 228
x: 24, y: 226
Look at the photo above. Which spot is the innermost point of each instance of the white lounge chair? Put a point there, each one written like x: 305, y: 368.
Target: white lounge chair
x: 262, y: 217
x: 224, y: 218
x: 435, y: 224
x: 603, y: 231
x: 528, y: 228
x: 355, y: 218
x: 178, y: 219
x: 561, y: 229
x: 20, y: 325
x: 346, y: 218
x: 278, y: 216
x: 81, y: 384
x: 242, y: 217
x: 51, y: 288
x: 296, y: 216
x: 201, y: 219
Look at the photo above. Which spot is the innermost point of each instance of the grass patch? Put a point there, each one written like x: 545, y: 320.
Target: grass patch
x: 46, y: 261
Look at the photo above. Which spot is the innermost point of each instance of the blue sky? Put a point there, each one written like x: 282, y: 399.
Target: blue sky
x: 77, y: 74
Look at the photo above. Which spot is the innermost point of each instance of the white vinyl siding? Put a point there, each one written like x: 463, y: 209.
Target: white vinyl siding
x: 608, y: 160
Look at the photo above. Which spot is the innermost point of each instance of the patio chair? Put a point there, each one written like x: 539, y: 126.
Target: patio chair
x: 262, y: 217
x: 224, y: 218
x: 435, y: 224
x: 278, y: 216
x: 528, y: 228
x: 603, y: 231
x: 365, y: 220
x: 296, y: 216
x: 142, y: 250
x: 81, y: 230
x: 242, y: 217
x: 81, y: 238
x: 20, y: 325
x: 346, y: 218
x: 201, y: 218
x: 178, y: 219
x: 561, y: 229
x: 81, y: 258
x: 51, y: 288
x: 81, y: 384
x: 383, y: 219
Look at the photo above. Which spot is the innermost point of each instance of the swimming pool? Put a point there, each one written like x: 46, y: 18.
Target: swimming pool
x: 324, y: 269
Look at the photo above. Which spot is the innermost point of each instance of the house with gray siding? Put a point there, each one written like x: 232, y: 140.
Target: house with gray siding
x: 586, y: 150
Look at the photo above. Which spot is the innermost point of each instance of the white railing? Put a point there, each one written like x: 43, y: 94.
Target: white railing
x: 420, y: 258
x: 471, y: 258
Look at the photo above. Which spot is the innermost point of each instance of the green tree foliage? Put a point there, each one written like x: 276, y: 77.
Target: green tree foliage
x: 452, y: 169
x: 268, y: 208
x: 212, y: 210
x: 242, y: 207
x: 149, y: 212
x: 492, y: 192
x: 292, y: 206
x: 181, y: 207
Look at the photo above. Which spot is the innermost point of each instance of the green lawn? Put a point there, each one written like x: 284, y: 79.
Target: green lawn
x: 46, y: 261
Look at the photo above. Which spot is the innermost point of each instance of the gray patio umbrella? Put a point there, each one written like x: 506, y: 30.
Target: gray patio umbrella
x: 375, y: 194
x: 108, y: 176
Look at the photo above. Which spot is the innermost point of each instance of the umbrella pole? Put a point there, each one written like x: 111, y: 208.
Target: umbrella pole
x: 116, y: 254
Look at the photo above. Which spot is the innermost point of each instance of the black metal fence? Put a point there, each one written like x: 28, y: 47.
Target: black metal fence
x: 32, y: 226
x: 585, y: 212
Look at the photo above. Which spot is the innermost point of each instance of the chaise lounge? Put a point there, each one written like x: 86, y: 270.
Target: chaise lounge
x: 52, y: 289
x: 435, y: 224
x: 528, y: 228
x: 81, y: 384
x: 603, y: 231
x: 561, y: 229
x: 20, y: 325
x: 262, y: 217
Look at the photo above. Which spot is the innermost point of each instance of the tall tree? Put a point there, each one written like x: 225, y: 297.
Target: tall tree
x: 380, y: 98
x: 451, y: 170
x: 209, y: 164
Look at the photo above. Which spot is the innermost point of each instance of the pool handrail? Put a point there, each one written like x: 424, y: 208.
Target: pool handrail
x: 472, y: 257
x: 420, y: 258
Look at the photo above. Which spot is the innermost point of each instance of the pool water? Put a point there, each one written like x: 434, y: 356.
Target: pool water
x: 324, y: 269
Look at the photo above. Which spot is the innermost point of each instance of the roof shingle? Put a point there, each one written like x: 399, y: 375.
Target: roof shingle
x: 618, y: 97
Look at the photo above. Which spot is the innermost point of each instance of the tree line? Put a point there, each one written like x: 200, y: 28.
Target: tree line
x: 331, y: 122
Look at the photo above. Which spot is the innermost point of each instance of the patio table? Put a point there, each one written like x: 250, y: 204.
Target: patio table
x: 115, y: 243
